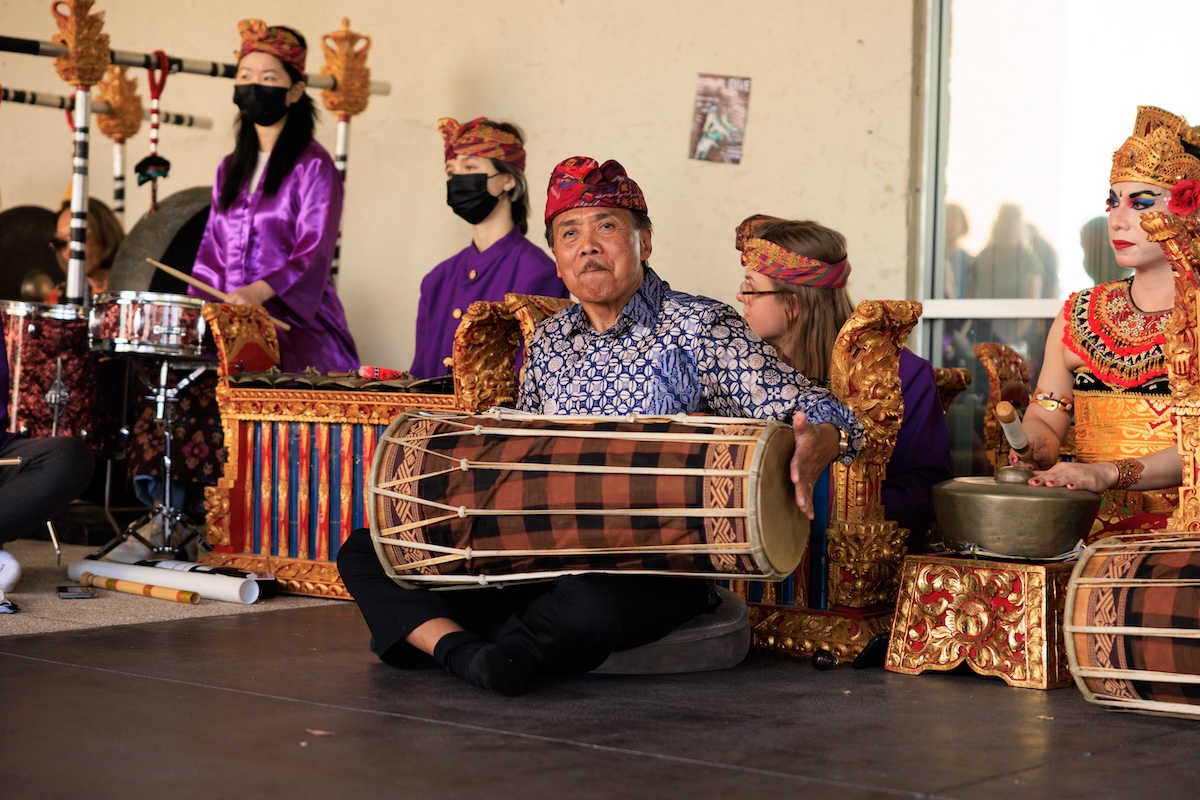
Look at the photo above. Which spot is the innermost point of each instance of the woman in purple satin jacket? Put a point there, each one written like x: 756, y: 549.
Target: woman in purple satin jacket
x: 277, y: 206
x: 485, y: 185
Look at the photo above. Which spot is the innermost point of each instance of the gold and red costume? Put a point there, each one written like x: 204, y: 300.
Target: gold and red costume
x: 1122, y: 397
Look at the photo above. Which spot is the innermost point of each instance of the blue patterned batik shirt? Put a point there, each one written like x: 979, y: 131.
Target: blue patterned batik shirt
x: 670, y: 353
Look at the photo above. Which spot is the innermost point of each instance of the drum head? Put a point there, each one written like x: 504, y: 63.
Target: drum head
x: 171, y: 235
x: 778, y: 528
x: 25, y: 254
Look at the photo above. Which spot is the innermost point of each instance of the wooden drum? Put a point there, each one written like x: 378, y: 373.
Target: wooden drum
x: 502, y: 497
x: 1132, y: 623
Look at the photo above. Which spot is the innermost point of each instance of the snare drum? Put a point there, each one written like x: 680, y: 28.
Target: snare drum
x: 1132, y: 623
x: 149, y: 323
x: 464, y: 501
x: 48, y: 354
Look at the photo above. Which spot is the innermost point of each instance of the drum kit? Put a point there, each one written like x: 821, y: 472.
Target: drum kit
x: 69, y: 367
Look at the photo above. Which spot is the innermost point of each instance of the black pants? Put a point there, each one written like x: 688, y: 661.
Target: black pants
x: 55, y: 471
x: 569, y: 624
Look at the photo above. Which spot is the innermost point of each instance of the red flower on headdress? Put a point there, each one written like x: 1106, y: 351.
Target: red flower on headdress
x: 1185, y: 197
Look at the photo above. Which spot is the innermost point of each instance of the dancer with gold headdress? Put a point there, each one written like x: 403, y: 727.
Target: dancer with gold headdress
x: 277, y: 205
x: 794, y: 296
x: 485, y: 185
x: 1104, y: 355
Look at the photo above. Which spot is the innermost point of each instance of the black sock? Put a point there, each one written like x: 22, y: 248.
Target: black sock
x: 506, y: 670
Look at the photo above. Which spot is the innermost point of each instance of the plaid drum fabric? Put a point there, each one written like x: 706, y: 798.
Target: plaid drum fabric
x: 514, y: 496
x: 1133, y: 605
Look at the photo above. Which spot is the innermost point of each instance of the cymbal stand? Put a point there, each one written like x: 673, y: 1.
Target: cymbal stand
x: 172, y: 519
x: 57, y: 397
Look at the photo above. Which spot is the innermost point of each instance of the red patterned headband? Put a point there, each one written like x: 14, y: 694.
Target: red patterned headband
x: 258, y: 37
x: 481, y: 139
x: 580, y: 182
x: 782, y: 264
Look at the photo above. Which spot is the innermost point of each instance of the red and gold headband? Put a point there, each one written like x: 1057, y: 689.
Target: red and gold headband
x: 258, y: 37
x: 481, y: 139
x: 782, y: 264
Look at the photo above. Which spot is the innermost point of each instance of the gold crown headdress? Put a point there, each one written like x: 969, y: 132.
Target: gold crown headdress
x: 1155, y: 153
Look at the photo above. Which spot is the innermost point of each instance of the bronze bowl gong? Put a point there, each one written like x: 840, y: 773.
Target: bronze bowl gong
x: 1006, y: 516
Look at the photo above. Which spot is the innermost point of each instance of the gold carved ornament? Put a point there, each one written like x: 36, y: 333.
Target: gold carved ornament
x: 864, y: 549
x: 88, y: 54
x: 125, y: 120
x: 1179, y: 237
x: 346, y: 63
x: 951, y: 382
x: 485, y: 356
x: 1000, y: 619
x: 1008, y: 379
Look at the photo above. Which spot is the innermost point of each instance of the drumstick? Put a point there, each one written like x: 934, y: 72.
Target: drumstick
x: 1010, y: 423
x: 204, y: 287
x: 132, y: 587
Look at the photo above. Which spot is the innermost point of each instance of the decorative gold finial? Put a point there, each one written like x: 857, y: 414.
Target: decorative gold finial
x: 119, y: 91
x: 88, y: 54
x: 346, y: 63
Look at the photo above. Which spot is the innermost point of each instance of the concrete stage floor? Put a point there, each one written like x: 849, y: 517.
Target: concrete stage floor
x: 289, y: 704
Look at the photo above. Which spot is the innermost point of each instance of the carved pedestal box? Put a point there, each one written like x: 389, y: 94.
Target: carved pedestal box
x: 1001, y: 618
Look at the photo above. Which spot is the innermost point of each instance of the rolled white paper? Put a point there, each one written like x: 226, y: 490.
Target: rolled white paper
x: 212, y: 587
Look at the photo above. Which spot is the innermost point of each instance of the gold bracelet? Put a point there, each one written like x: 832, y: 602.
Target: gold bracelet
x: 1128, y: 472
x: 1046, y: 400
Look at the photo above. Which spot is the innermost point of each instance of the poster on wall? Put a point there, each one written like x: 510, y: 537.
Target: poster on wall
x: 719, y: 120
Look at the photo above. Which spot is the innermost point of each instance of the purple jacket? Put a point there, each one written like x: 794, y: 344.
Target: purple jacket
x: 287, y: 240
x: 513, y: 264
x: 922, y: 455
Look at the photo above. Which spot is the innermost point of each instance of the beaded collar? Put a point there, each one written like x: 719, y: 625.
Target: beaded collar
x: 1121, y: 344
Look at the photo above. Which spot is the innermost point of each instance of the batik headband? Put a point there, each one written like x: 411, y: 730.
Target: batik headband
x: 782, y: 264
x: 579, y: 182
x: 481, y: 139
x: 258, y: 37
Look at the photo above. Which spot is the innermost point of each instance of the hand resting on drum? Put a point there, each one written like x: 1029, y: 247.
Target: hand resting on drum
x: 816, y: 446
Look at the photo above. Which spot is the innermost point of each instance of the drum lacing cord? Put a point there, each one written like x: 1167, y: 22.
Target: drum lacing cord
x: 466, y: 554
x: 153, y: 166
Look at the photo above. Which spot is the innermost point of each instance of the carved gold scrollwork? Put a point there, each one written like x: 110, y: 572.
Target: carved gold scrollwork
x: 1001, y: 619
x: 485, y: 356
x: 82, y: 33
x: 1008, y: 379
x: 346, y: 62
x: 119, y: 91
x: 864, y: 562
x: 1179, y: 239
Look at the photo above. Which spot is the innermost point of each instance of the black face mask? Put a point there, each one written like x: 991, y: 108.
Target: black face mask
x: 261, y: 105
x: 468, y: 195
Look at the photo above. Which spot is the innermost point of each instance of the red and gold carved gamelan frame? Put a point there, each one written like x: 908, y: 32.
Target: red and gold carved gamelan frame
x: 299, y: 460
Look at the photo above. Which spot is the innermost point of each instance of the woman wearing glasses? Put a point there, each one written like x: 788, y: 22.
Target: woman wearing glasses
x: 104, y: 236
x: 794, y: 297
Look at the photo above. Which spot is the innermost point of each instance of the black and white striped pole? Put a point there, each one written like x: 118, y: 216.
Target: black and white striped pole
x: 82, y: 63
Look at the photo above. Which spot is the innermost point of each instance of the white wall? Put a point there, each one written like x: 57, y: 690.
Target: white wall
x: 829, y: 134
